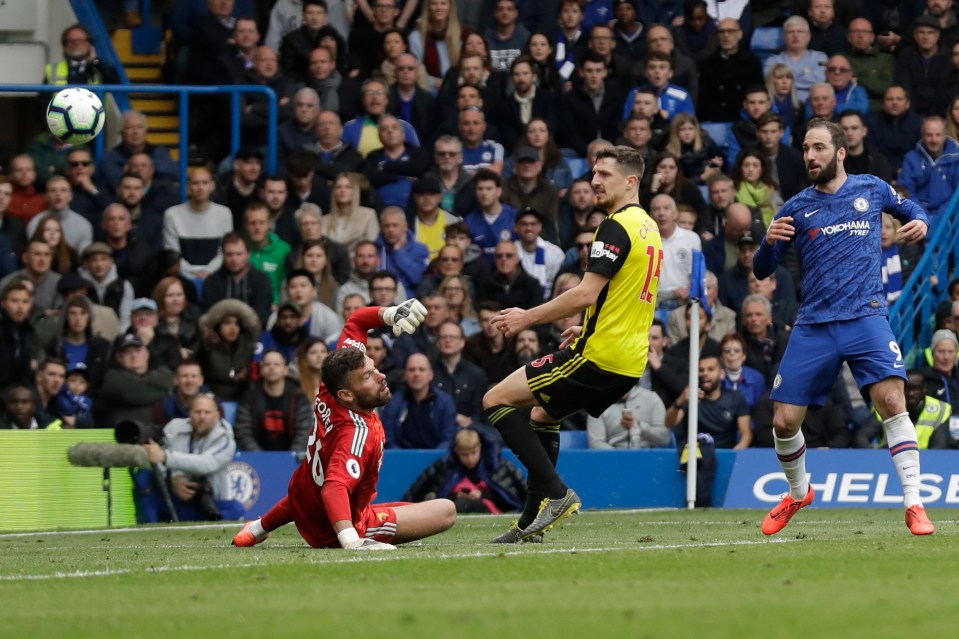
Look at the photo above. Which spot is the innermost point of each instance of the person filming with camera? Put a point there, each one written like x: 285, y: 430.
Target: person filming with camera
x: 195, y: 453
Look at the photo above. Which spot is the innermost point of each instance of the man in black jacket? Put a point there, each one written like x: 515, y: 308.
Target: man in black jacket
x: 238, y: 279
x: 724, y: 75
x: 274, y: 414
x: 895, y: 129
x: 860, y: 158
x: 592, y: 110
x: 788, y: 168
x: 17, y: 337
x: 525, y: 102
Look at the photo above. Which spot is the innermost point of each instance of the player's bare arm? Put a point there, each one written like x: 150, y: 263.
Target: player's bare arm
x: 781, y: 230
x: 511, y: 321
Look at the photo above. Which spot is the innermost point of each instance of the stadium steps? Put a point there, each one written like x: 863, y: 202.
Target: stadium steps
x: 161, y: 109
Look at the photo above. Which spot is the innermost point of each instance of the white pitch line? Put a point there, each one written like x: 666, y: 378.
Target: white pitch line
x: 390, y: 556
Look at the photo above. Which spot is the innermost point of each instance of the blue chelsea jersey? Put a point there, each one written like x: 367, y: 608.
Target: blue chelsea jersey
x: 838, y: 239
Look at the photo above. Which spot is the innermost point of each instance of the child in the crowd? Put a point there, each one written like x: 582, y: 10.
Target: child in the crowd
x: 76, y: 407
x: 474, y: 476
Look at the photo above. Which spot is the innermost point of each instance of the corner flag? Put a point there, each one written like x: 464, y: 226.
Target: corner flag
x: 697, y: 282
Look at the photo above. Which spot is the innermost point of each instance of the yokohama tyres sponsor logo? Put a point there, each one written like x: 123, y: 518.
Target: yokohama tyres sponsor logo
x: 857, y: 227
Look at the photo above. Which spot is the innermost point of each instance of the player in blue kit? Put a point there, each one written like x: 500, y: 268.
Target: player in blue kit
x: 836, y: 225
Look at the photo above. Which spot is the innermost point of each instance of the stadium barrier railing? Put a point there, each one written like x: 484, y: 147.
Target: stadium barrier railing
x: 183, y: 93
x: 912, y: 315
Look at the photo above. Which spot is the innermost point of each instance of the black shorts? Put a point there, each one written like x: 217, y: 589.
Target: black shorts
x: 565, y: 382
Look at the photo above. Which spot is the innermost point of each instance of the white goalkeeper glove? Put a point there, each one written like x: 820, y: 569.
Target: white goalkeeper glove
x: 349, y: 540
x: 406, y: 317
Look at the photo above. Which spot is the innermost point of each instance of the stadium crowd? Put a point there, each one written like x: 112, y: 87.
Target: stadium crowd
x: 442, y: 149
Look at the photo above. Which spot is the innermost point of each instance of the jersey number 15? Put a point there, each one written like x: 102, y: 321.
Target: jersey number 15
x: 654, y: 264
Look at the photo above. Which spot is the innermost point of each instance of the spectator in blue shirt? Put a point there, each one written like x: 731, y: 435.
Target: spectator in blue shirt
x: 400, y: 252
x: 930, y: 172
x: 419, y: 415
x: 493, y: 221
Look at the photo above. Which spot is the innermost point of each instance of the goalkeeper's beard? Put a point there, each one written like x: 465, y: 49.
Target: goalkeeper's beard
x: 373, y: 401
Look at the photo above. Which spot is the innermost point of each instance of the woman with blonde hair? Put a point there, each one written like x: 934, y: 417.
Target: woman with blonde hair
x: 456, y: 290
x: 699, y: 157
x: 437, y: 42
x: 315, y: 259
x: 348, y: 222
x: 50, y: 230
x: 309, y: 364
x: 781, y: 86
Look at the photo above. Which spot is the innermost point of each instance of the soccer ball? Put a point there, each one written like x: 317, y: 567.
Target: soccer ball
x: 75, y: 116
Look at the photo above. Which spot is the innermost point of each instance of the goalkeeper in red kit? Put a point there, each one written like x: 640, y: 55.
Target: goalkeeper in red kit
x: 330, y: 497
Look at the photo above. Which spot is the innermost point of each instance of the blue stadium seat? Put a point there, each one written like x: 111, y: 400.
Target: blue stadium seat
x: 720, y: 132
x: 577, y: 166
x: 766, y: 42
x: 229, y: 411
x: 573, y: 439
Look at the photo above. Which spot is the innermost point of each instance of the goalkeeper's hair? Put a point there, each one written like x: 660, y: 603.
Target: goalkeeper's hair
x: 337, y: 367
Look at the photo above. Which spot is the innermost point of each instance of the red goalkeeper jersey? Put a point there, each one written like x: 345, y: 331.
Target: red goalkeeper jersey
x: 337, y: 479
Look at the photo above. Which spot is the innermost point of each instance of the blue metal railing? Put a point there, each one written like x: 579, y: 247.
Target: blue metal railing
x: 183, y: 93
x: 89, y: 16
x: 911, y: 315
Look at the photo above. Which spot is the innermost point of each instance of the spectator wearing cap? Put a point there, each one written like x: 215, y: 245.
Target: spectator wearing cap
x: 285, y: 333
x: 237, y: 279
x: 37, y: 267
x: 429, y: 221
x: 530, y: 188
x: 78, y: 343
x: 77, y: 231
x: 111, y: 289
x: 195, y: 228
x: 144, y: 320
x: 130, y: 388
x: 268, y: 252
x: 734, y: 282
x: 243, y: 182
x: 400, y: 252
x: 942, y: 377
x: 539, y: 258
x: 923, y: 71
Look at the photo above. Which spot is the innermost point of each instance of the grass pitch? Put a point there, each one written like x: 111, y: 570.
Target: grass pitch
x: 711, y: 573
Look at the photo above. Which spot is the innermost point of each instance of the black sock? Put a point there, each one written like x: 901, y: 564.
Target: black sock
x: 548, y: 435
x: 519, y: 436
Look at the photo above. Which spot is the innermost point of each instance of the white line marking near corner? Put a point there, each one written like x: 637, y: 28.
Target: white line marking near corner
x: 392, y: 556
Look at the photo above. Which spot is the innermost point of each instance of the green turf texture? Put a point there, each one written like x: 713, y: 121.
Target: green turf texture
x: 708, y: 573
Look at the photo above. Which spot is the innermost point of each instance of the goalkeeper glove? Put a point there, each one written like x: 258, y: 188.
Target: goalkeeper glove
x: 406, y: 317
x: 351, y: 541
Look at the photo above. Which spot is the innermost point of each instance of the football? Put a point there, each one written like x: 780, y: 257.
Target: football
x: 75, y: 116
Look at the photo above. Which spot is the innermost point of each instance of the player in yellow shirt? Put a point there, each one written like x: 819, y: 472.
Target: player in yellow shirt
x: 599, y: 361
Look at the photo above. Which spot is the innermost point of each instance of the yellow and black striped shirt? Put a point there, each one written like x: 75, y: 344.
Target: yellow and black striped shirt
x: 628, y: 250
